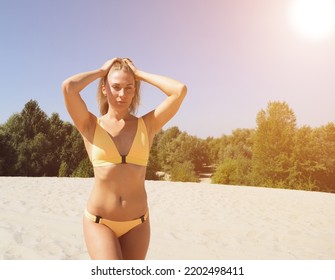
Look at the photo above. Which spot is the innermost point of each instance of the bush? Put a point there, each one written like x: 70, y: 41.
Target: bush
x: 84, y: 169
x: 226, y: 173
x: 184, y: 172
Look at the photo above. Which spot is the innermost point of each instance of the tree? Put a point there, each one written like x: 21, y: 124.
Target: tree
x: 27, y: 135
x: 214, y: 145
x: 305, y: 160
x: 276, y: 154
x: 34, y: 120
x: 57, y: 136
x: 12, y: 137
x: 186, y: 148
x: 167, y: 147
x: 8, y: 155
x: 73, y: 149
x: 325, y: 139
x: 154, y: 164
x: 84, y: 169
x: 14, y: 129
x: 235, y: 155
x: 273, y: 145
x: 35, y: 146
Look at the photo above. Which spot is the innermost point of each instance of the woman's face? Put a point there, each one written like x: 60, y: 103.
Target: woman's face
x: 120, y: 89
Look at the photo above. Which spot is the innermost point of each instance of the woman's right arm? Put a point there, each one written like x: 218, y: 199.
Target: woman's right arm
x: 75, y: 105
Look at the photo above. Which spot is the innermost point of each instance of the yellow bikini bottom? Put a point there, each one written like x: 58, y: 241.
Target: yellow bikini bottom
x: 119, y: 228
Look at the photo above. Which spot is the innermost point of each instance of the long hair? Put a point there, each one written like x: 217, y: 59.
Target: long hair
x: 118, y: 65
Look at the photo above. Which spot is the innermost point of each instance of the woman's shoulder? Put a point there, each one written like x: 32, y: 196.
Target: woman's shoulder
x: 148, y: 121
x: 88, y: 130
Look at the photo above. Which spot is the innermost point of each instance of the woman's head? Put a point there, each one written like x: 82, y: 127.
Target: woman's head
x: 120, y: 78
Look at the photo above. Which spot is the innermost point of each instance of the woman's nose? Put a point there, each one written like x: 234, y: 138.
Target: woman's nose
x: 121, y: 92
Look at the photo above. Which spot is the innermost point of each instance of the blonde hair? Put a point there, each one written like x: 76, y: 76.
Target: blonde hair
x: 118, y: 65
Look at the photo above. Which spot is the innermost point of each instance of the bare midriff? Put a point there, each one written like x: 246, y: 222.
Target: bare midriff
x: 118, y: 193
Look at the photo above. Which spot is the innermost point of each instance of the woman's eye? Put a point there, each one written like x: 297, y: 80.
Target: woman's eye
x: 117, y: 88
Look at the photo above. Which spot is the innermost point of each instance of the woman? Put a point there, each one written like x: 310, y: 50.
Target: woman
x: 116, y: 221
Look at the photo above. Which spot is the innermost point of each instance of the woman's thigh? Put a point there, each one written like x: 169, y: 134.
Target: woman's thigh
x: 135, y: 243
x: 101, y: 242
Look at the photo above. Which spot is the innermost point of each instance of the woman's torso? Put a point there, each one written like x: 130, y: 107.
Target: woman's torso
x: 118, y: 193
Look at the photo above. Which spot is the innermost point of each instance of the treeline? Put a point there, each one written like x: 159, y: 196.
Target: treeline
x: 275, y: 154
x: 32, y: 144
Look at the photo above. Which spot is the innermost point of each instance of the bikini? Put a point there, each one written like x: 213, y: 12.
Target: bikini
x: 105, y: 152
x: 119, y: 228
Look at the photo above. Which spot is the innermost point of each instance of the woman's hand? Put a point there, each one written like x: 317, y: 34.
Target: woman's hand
x: 132, y: 67
x: 107, y: 65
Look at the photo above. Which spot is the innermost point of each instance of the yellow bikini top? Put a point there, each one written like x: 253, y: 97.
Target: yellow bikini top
x: 105, y: 152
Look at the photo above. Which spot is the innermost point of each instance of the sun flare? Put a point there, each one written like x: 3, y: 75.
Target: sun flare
x: 314, y: 19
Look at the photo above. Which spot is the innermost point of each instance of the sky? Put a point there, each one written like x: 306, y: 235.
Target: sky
x: 234, y: 56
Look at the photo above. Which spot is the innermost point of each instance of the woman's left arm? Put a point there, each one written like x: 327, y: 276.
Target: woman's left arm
x: 175, y: 91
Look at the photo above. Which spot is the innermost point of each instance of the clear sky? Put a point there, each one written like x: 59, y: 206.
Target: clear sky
x: 234, y: 55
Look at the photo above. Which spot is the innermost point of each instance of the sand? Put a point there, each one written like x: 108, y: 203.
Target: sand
x: 41, y: 219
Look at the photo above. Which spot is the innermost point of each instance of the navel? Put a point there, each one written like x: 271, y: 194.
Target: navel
x: 122, y: 202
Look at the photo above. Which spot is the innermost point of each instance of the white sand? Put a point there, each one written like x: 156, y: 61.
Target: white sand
x: 41, y: 218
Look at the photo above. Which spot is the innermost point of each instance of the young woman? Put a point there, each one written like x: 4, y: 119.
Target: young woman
x: 116, y: 221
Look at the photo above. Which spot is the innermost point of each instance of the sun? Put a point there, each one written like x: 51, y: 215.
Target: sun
x: 314, y: 19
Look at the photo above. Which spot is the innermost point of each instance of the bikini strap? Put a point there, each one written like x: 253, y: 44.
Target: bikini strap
x: 97, y: 219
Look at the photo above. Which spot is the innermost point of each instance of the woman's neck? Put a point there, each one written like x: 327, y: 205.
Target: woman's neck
x: 118, y: 114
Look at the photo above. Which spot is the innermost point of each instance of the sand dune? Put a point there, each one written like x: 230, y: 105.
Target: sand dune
x: 41, y: 218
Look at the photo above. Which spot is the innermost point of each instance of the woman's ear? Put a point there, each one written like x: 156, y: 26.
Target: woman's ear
x: 103, y: 89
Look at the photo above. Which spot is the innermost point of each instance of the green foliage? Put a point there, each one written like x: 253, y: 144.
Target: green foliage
x: 154, y: 164
x: 63, y: 170
x: 29, y: 132
x: 8, y: 155
x: 273, y: 145
x: 314, y: 161
x: 34, y: 145
x: 276, y: 154
x: 173, y: 148
x: 73, y: 149
x: 235, y: 155
x: 183, y: 172
x: 214, y: 146
x: 226, y: 173
x: 167, y: 148
x: 179, y: 147
x: 84, y: 169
